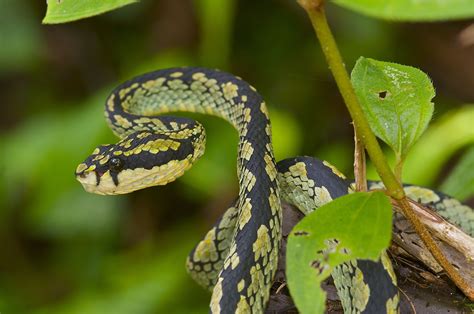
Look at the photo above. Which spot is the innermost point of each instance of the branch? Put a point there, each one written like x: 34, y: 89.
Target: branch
x: 457, y: 246
x: 315, y: 10
x: 359, y: 164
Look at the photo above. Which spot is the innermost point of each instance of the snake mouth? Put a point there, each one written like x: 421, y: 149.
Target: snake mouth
x: 83, y: 176
x: 129, y: 180
x: 90, y: 180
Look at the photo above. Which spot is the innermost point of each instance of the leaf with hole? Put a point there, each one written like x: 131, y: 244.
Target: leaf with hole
x: 355, y: 226
x: 396, y: 100
x: 61, y: 11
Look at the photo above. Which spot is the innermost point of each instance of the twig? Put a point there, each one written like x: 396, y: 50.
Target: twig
x: 315, y: 10
x: 359, y: 164
x: 409, y: 301
x: 443, y: 229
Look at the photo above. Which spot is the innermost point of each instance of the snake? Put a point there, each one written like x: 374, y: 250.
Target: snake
x: 237, y: 259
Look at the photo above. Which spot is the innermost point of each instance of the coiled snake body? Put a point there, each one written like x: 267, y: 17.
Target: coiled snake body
x: 237, y: 259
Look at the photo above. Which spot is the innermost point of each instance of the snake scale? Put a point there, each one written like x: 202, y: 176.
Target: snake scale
x: 237, y: 258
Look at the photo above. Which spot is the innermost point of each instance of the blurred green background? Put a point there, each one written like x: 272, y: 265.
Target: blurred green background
x: 67, y: 251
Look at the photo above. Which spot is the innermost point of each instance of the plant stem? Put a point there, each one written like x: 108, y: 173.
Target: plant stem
x: 315, y: 10
x: 398, y: 168
x: 330, y: 50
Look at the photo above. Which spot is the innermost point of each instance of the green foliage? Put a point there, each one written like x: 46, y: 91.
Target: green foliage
x: 444, y: 137
x: 146, y: 280
x: 396, y: 100
x: 217, y: 19
x: 61, y: 11
x: 460, y: 182
x: 58, y: 208
x: 67, y: 251
x: 312, y: 252
x: 447, y: 135
x: 19, y: 36
x: 411, y: 10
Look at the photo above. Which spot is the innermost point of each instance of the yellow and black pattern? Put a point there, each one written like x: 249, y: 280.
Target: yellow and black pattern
x: 237, y: 259
x: 307, y: 183
x: 156, y: 150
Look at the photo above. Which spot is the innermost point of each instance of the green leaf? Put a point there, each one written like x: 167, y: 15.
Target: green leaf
x: 61, y: 11
x: 361, y: 224
x: 412, y: 10
x: 460, y: 182
x: 396, y: 100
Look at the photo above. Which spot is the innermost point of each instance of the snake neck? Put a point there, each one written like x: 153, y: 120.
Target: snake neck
x: 181, y: 89
x: 136, y: 105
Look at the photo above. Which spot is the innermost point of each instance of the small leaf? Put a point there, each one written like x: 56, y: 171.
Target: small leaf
x: 412, y: 10
x: 61, y: 11
x: 396, y: 100
x: 355, y: 226
x: 460, y: 182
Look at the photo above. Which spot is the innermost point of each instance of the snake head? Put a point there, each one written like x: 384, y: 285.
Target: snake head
x: 139, y: 160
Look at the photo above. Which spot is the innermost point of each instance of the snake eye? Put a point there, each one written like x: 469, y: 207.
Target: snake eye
x: 115, y: 164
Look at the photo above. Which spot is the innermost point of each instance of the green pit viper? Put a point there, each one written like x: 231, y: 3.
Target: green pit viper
x: 237, y: 258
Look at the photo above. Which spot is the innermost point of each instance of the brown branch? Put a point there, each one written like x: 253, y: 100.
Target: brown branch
x: 443, y: 229
x: 359, y: 164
